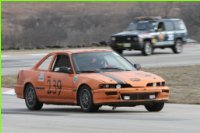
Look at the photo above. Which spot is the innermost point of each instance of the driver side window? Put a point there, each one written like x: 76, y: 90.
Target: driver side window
x: 161, y: 27
x: 62, y: 62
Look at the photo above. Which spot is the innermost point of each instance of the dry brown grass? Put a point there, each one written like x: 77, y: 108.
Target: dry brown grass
x: 184, y: 82
x: 8, y: 81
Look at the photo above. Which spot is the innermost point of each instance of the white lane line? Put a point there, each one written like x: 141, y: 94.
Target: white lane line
x: 37, y: 54
x: 9, y: 92
x: 41, y: 54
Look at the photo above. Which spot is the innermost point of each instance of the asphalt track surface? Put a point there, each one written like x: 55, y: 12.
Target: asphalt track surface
x: 191, y: 55
x: 174, y: 118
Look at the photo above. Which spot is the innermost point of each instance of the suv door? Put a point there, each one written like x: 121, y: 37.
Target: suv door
x: 170, y: 32
x: 160, y: 34
x: 59, y: 83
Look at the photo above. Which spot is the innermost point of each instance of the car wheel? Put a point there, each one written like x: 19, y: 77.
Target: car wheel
x: 147, y: 49
x: 178, y: 46
x: 31, y: 100
x: 154, y: 107
x: 86, y: 100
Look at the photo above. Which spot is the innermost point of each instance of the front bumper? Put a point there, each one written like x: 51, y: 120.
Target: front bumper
x: 138, y: 96
x: 19, y: 90
x: 127, y: 45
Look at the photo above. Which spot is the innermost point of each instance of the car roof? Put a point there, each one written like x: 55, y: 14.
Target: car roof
x: 71, y: 51
x: 156, y: 19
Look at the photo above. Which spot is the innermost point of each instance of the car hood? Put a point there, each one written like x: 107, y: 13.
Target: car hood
x: 131, y: 33
x: 134, y: 78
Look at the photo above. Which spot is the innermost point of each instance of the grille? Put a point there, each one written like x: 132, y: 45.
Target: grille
x: 142, y: 96
x: 124, y: 39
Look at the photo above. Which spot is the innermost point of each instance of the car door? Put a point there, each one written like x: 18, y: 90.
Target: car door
x: 41, y: 71
x: 160, y: 34
x: 59, y: 84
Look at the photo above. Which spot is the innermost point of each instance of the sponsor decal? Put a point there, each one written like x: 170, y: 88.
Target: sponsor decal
x: 41, y: 77
x: 161, y: 37
x: 39, y: 88
x: 154, y: 40
x: 75, y: 78
x: 113, y: 78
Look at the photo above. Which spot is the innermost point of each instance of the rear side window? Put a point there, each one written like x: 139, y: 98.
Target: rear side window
x: 169, y: 26
x: 45, y: 64
x: 179, y: 25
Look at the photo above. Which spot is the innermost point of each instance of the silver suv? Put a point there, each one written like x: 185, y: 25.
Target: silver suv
x: 147, y: 33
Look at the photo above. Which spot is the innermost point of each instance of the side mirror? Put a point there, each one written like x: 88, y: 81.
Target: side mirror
x: 64, y: 69
x: 137, y: 66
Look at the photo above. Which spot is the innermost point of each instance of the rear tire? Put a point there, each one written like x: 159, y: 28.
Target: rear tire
x: 31, y: 99
x: 147, y: 48
x: 86, y: 100
x: 154, y: 107
x: 178, y: 46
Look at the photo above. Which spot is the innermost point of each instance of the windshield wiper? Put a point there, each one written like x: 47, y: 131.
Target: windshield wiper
x: 112, y: 68
x: 87, y: 71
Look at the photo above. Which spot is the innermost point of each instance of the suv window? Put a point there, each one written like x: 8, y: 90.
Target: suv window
x: 169, y: 26
x: 61, y: 61
x: 179, y: 25
x: 161, y: 27
x: 141, y: 26
x: 45, y: 64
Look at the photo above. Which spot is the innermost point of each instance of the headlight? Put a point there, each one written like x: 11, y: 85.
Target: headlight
x: 113, y: 38
x: 154, y: 84
x: 118, y: 86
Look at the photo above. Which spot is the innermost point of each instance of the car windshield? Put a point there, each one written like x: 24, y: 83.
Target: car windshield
x: 142, y: 26
x: 100, y: 61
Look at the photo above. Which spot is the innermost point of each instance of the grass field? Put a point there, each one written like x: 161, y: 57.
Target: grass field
x: 184, y: 82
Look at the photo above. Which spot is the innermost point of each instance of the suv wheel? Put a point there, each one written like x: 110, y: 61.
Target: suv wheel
x: 154, y: 107
x: 31, y: 100
x: 147, y: 49
x: 86, y: 100
x: 178, y: 46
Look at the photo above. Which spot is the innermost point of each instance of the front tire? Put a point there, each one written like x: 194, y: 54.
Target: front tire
x: 86, y: 100
x: 31, y: 100
x: 178, y: 46
x: 147, y: 48
x: 154, y: 107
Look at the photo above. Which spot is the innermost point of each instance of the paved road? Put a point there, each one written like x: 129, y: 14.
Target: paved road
x: 191, y: 55
x: 175, y: 118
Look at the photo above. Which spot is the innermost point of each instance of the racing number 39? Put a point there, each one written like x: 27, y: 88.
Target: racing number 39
x: 54, y: 86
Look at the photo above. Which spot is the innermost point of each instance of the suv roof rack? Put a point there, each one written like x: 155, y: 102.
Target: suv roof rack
x: 148, y: 18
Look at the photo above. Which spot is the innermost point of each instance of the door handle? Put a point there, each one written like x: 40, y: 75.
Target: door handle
x: 48, y: 76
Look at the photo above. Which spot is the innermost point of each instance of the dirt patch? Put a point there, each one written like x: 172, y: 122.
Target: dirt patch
x: 184, y: 82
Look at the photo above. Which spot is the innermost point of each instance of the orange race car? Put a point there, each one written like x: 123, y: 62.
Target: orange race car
x: 90, y: 79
